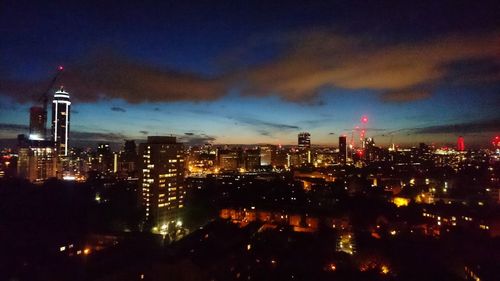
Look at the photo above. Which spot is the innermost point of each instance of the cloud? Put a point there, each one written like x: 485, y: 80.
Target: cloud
x: 264, y: 133
x: 400, y: 96
x: 399, y: 71
x: 118, y: 109
x: 307, y: 63
x: 97, y: 136
x: 196, y: 139
x: 264, y: 124
x: 107, y: 75
x: 13, y: 127
x: 478, y: 126
x: 367, y: 129
x: 11, y: 130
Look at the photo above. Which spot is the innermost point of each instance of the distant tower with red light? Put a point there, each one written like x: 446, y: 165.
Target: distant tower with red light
x: 460, y: 144
x: 362, y: 133
x: 496, y: 142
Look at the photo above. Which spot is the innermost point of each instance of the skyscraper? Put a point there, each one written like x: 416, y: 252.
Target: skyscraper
x: 304, y: 140
x: 267, y: 155
x: 343, y: 149
x: 103, y: 161
x: 162, y: 180
x: 252, y: 159
x: 60, y: 121
x: 37, y: 123
x: 228, y: 160
x: 127, y: 166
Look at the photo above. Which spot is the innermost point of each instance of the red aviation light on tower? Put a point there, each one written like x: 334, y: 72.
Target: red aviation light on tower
x: 364, y: 119
x: 60, y: 68
x: 460, y: 144
x: 496, y: 141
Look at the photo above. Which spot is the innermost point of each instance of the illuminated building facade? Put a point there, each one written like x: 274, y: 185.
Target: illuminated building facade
x: 162, y: 180
x: 37, y: 123
x: 267, y: 155
x: 37, y: 162
x: 60, y: 121
x: 228, y: 159
x: 304, y: 141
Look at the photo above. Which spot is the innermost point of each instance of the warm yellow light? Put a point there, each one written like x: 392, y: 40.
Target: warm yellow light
x: 86, y: 251
x: 400, y: 201
x: 384, y: 269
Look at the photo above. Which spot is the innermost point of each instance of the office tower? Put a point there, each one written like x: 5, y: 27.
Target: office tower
x: 280, y: 157
x: 370, y: 149
x: 37, y: 161
x: 252, y: 159
x: 127, y: 162
x: 267, y: 155
x: 60, y: 121
x: 304, y: 140
x: 294, y: 159
x: 162, y: 180
x: 228, y: 159
x: 460, y: 144
x: 37, y: 123
x: 343, y: 149
x: 103, y: 162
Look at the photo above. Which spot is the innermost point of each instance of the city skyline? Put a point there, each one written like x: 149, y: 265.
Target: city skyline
x: 251, y: 78
x: 250, y: 140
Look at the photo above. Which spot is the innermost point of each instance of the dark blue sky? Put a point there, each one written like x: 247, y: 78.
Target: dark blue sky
x: 256, y: 72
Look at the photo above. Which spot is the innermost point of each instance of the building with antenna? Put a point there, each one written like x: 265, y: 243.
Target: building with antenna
x: 61, y: 106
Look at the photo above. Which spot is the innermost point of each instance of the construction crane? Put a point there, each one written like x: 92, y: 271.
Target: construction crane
x: 44, y: 99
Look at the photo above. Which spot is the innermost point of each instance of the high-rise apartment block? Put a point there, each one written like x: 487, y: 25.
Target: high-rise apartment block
x: 60, y: 121
x: 162, y: 180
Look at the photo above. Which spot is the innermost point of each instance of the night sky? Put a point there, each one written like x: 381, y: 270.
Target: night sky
x: 247, y: 72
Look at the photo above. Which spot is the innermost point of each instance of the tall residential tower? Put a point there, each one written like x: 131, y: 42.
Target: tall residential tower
x: 60, y: 121
x: 162, y: 180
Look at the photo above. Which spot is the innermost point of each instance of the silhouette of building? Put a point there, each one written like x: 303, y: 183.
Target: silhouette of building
x: 37, y: 123
x: 127, y: 162
x: 252, y: 159
x: 343, y: 149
